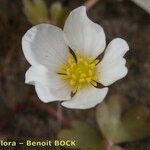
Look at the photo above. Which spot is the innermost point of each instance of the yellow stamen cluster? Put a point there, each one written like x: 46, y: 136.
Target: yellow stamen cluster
x: 79, y: 72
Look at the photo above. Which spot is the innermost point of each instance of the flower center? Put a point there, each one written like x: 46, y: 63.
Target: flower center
x: 79, y: 72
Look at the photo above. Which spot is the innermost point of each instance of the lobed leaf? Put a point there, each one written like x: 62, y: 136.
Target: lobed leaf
x: 118, y: 128
x: 86, y: 137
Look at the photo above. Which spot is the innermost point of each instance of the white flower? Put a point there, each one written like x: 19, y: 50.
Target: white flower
x: 56, y: 71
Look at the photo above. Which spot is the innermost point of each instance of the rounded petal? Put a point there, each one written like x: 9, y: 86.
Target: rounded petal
x: 112, y: 67
x: 44, y: 44
x: 48, y: 86
x: 86, y: 98
x: 84, y: 35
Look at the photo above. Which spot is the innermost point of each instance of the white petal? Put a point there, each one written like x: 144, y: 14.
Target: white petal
x: 86, y: 98
x: 112, y: 67
x: 49, y: 87
x: 84, y: 35
x: 44, y: 44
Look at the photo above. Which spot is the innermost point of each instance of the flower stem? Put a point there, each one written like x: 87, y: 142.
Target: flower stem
x: 44, y: 107
x: 51, y: 111
x: 107, y: 145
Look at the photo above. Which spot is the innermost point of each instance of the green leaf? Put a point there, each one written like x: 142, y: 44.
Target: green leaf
x: 85, y: 136
x: 115, y: 127
x: 108, y: 117
x: 136, y: 123
x: 58, y: 14
x: 56, y: 11
x: 36, y: 11
x: 109, y: 145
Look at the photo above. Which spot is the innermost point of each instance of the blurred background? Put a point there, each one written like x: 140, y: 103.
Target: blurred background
x: 122, y: 122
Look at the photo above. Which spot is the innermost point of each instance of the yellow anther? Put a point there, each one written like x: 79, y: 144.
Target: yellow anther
x: 73, y: 76
x: 68, y: 71
x: 70, y: 61
x: 80, y: 60
x: 90, y: 59
x: 96, y: 61
x: 64, y: 77
x: 79, y: 86
x: 79, y: 74
x: 83, y: 75
x: 94, y: 78
x: 72, y: 82
x: 77, y: 54
x: 63, y: 66
x: 90, y: 72
x: 82, y: 80
x: 86, y: 63
x: 92, y: 66
x: 94, y: 83
x: 72, y: 65
x: 74, y: 90
x: 89, y: 79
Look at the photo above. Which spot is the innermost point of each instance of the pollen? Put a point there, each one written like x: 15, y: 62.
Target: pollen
x: 79, y: 72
